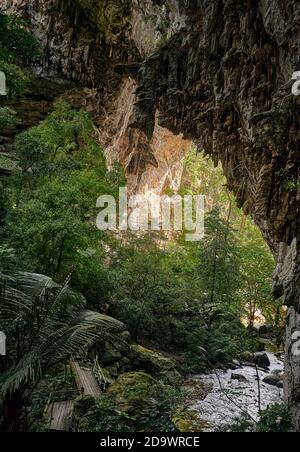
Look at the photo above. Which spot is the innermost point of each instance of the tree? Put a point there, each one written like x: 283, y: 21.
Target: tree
x: 52, y: 196
x: 45, y: 324
x: 147, y: 294
x: 219, y: 266
x: 18, y: 48
x: 257, y: 266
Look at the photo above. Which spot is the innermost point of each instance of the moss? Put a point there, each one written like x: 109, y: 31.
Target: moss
x: 110, y: 17
x: 151, y: 360
x: 132, y: 386
x: 188, y: 421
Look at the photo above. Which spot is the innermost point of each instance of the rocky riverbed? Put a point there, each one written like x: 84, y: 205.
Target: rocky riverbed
x: 236, y: 392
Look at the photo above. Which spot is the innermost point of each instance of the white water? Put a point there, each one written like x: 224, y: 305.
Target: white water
x: 218, y: 410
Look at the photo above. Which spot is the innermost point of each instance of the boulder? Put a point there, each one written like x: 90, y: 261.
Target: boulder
x: 274, y: 380
x: 151, y: 361
x: 188, y: 421
x: 196, y: 389
x: 266, y: 330
x: 248, y: 357
x: 239, y: 377
x: 83, y: 403
x: 235, y: 365
x: 262, y: 360
x: 132, y: 390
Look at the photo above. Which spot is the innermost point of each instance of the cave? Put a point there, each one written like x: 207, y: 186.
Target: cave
x: 218, y: 73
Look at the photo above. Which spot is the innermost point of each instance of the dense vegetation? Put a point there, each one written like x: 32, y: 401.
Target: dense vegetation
x: 18, y: 50
x: 184, y: 302
x: 274, y: 419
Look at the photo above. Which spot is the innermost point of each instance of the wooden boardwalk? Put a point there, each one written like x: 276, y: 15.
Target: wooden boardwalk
x: 86, y: 381
x: 60, y: 415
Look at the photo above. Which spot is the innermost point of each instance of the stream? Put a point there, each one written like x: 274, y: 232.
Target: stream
x: 217, y: 410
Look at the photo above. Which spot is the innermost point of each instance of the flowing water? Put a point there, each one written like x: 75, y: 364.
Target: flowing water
x: 230, y: 398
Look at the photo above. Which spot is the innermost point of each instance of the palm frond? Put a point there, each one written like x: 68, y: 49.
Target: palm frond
x: 48, y: 324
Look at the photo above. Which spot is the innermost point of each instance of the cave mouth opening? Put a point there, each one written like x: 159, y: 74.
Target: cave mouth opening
x: 263, y: 175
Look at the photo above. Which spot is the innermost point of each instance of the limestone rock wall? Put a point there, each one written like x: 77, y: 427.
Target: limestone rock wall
x: 225, y: 81
x: 97, y: 44
x: 217, y: 71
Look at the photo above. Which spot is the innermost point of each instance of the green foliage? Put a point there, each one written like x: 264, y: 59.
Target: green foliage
x: 190, y: 298
x: 257, y: 266
x: 161, y: 296
x: 104, y: 417
x: 241, y: 424
x: 18, y: 48
x: 16, y: 78
x: 185, y: 298
x: 219, y: 263
x: 7, y: 118
x: 289, y: 179
x: 16, y: 40
x: 111, y: 17
x: 45, y: 324
x: 135, y: 403
x: 30, y: 150
x: 57, y: 384
x: 201, y: 176
x: 147, y: 293
x: 275, y: 419
x: 249, y: 263
x: 62, y: 173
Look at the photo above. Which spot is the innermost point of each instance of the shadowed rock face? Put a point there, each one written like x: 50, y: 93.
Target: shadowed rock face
x: 100, y: 45
x: 222, y: 76
x: 225, y: 82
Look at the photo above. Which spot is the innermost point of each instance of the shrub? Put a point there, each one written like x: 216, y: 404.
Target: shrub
x: 275, y: 419
x: 135, y: 403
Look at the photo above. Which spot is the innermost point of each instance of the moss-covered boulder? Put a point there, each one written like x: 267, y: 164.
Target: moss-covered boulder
x: 135, y: 402
x: 188, y: 421
x: 132, y: 389
x: 151, y: 360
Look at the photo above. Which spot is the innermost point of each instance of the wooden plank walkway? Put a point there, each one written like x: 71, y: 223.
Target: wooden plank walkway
x: 86, y: 381
x: 60, y: 415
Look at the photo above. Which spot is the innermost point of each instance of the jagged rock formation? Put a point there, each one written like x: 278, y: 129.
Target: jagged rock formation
x: 151, y: 166
x: 32, y: 108
x: 225, y: 81
x: 100, y: 45
x: 220, y: 75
